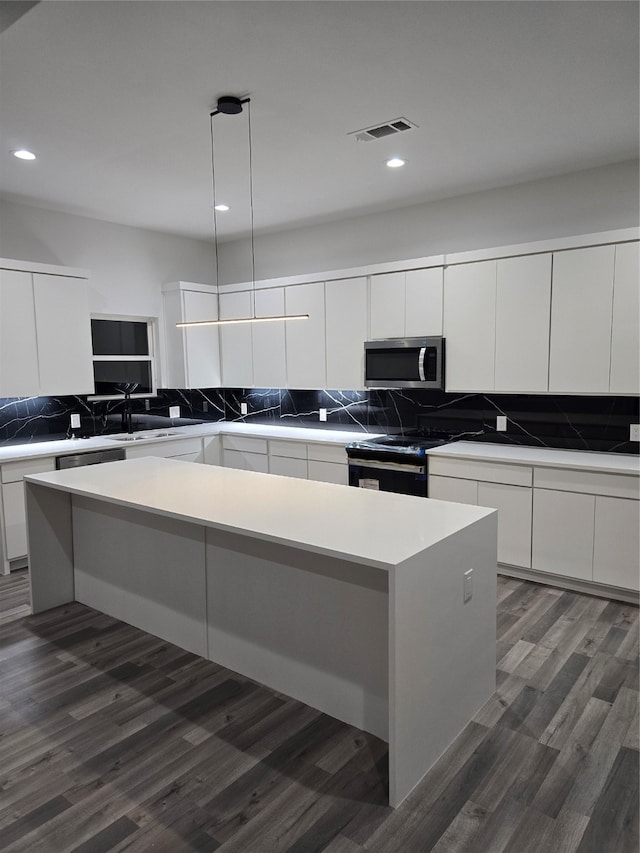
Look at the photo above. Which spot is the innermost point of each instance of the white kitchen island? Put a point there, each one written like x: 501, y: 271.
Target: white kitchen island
x: 350, y: 600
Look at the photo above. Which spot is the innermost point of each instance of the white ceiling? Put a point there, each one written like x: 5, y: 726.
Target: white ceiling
x: 114, y: 97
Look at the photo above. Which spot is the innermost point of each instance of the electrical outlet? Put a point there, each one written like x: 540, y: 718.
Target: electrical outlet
x: 75, y: 421
x: 205, y: 406
x: 323, y: 414
x: 468, y: 585
x: 243, y: 408
x: 634, y: 432
x: 146, y: 405
x: 174, y: 411
x: 501, y: 423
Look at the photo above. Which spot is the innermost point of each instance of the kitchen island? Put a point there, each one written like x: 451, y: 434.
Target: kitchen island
x: 349, y: 600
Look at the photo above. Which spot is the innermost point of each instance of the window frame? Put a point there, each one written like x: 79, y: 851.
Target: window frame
x: 152, y: 326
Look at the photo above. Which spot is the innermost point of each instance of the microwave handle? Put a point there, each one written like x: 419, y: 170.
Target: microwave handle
x: 421, y: 356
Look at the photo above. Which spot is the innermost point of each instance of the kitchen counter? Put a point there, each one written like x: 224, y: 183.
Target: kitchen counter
x: 322, y: 592
x: 584, y: 460
x: 34, y: 449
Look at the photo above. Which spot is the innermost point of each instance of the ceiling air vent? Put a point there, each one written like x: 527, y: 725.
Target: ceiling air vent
x: 380, y: 131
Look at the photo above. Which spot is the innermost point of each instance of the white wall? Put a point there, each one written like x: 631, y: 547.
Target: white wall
x: 127, y: 265
x: 584, y: 202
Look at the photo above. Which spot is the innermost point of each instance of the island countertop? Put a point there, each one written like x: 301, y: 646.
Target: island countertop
x: 379, y: 529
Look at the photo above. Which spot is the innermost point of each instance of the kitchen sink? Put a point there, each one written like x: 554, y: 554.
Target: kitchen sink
x: 140, y: 437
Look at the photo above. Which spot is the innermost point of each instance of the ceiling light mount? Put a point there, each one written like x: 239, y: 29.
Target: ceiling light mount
x: 229, y: 105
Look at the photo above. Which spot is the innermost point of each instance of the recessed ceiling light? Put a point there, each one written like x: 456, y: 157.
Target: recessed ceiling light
x: 395, y: 163
x: 222, y: 207
x: 23, y: 154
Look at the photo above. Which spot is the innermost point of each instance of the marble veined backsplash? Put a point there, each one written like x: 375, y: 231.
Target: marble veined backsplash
x: 582, y: 423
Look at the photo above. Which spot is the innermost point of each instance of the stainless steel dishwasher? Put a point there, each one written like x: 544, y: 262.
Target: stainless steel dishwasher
x: 89, y: 457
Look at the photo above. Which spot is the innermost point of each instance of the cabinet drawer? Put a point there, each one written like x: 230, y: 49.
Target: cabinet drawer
x: 489, y: 472
x: 292, y: 449
x: 287, y: 466
x: 455, y: 489
x: 241, y: 442
x: 246, y: 461
x: 329, y: 472
x: 15, y: 522
x: 177, y: 447
x: 327, y: 452
x: 13, y: 472
x: 588, y: 482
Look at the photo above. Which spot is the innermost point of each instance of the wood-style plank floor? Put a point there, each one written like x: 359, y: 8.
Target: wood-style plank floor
x: 113, y: 740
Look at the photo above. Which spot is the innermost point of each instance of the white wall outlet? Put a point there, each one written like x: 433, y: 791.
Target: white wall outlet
x: 205, y: 406
x: 174, y: 411
x: 323, y: 414
x: 146, y: 405
x: 501, y: 423
x: 75, y: 421
x: 243, y: 408
x: 468, y: 585
x: 634, y: 432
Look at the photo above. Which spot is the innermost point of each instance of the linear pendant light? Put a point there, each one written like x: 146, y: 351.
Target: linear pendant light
x: 230, y: 105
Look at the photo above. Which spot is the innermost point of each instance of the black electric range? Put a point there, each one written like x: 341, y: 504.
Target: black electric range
x: 393, y: 463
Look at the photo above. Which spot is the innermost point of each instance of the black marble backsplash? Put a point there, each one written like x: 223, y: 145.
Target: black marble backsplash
x: 581, y: 423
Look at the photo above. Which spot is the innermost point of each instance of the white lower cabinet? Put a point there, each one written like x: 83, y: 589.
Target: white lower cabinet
x: 563, y: 524
x: 245, y: 460
x: 328, y: 472
x: 287, y: 466
x: 514, y: 512
x: 13, y: 522
x: 189, y: 449
x: 616, y: 544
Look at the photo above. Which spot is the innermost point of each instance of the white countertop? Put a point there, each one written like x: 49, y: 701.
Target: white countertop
x: 379, y: 529
x: 36, y: 449
x: 585, y: 460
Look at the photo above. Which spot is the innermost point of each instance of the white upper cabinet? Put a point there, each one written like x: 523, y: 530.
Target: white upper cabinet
x: 63, y: 330
x: 236, y: 348
x: 470, y: 326
x: 19, y: 374
x: 346, y: 307
x: 406, y: 304
x: 269, y: 354
x: 45, y: 335
x: 193, y: 354
x: 581, y: 311
x: 523, y: 299
x: 305, y: 339
x: 625, y: 340
x: 387, y: 305
x: 423, y: 302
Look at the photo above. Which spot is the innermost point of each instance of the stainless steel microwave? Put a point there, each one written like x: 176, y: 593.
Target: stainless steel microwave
x: 404, y: 363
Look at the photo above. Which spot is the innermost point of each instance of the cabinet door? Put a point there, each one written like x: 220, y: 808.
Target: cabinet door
x: 563, y: 533
x: 63, y: 328
x: 523, y: 304
x: 581, y: 305
x: 269, y: 358
x: 287, y: 466
x: 329, y: 472
x: 346, y: 306
x: 387, y: 305
x: 453, y: 489
x: 423, y: 302
x: 245, y: 461
x: 306, y: 357
x: 15, y: 521
x: 201, y: 344
x: 18, y: 350
x: 625, y: 334
x: 616, y: 549
x: 514, y: 505
x: 236, y: 353
x: 470, y: 326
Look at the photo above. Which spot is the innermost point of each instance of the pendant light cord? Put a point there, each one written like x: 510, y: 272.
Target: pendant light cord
x: 253, y: 252
x: 213, y: 194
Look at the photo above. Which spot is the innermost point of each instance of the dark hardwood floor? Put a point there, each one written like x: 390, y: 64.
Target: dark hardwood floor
x: 113, y: 740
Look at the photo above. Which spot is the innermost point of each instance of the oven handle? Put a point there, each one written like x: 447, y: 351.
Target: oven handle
x: 387, y: 466
x: 421, y: 356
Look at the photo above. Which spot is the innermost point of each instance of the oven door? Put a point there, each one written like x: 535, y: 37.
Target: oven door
x: 389, y: 477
